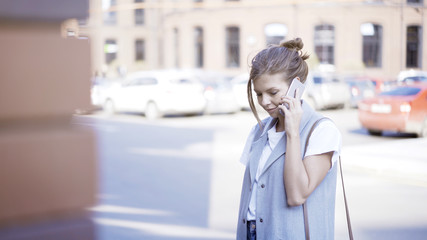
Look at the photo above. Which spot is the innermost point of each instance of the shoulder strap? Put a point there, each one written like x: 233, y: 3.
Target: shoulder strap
x: 347, y: 213
x: 304, y: 206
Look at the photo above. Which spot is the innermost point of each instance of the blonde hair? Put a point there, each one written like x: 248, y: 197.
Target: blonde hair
x: 286, y: 58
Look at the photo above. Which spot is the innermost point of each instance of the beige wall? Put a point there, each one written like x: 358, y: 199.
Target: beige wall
x: 251, y: 17
x: 125, y: 32
x: 300, y: 21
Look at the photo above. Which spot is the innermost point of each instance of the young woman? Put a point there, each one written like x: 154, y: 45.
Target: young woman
x: 282, y: 171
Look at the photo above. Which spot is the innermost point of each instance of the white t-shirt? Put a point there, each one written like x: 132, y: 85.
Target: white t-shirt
x: 325, y: 138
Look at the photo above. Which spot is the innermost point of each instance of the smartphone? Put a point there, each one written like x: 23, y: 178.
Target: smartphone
x: 295, y: 84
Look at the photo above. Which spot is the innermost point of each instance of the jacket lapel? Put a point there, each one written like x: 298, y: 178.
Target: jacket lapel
x: 277, y: 152
x: 258, y: 147
x: 256, y: 152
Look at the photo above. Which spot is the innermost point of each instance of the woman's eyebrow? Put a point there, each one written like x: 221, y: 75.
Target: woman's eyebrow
x: 269, y: 89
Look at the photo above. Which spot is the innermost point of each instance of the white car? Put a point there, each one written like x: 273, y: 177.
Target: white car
x: 325, y: 90
x: 239, y: 85
x: 157, y: 93
x: 411, y: 76
x: 217, y: 91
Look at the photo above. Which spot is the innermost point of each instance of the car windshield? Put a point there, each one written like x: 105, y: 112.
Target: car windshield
x: 320, y: 80
x: 403, y: 91
x: 416, y: 79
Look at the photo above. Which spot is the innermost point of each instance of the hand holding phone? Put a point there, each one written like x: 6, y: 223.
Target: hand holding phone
x: 295, y: 84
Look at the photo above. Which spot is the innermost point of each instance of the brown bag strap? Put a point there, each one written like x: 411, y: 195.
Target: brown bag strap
x: 304, y: 206
x: 347, y: 213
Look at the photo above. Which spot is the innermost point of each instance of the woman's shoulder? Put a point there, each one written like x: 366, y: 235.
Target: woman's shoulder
x: 327, y: 125
x: 326, y: 129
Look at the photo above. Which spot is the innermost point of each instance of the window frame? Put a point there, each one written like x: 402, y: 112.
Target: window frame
x: 417, y: 59
x: 372, y: 45
x: 325, y: 52
x: 232, y: 44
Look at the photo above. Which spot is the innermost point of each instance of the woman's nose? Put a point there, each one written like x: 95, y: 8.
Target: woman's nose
x: 265, y: 100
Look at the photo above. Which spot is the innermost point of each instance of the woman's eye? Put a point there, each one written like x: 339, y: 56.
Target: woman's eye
x: 258, y: 94
x: 274, y: 93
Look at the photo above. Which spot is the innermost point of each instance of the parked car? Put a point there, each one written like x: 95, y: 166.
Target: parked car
x: 411, y: 76
x: 239, y: 85
x: 360, y: 88
x: 157, y: 93
x: 326, y: 90
x: 382, y: 84
x: 98, y: 90
x: 403, y: 109
x: 218, y: 91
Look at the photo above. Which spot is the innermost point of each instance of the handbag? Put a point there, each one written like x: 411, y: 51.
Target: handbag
x: 304, y: 206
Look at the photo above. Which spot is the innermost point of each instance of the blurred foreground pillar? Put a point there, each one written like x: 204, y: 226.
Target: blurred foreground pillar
x: 47, y: 165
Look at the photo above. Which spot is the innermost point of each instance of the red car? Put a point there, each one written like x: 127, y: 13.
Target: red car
x: 403, y: 109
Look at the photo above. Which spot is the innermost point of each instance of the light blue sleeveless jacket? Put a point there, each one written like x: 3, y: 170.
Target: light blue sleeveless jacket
x: 275, y: 218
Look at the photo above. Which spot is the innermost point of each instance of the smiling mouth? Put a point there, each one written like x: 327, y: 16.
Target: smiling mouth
x: 271, y: 109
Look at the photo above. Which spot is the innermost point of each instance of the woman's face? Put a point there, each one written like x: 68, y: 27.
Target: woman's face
x: 269, y: 90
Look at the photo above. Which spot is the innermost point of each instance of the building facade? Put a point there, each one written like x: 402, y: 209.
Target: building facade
x: 374, y: 38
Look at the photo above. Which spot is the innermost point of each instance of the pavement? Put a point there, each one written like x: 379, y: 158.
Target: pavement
x: 385, y: 177
x: 400, y: 160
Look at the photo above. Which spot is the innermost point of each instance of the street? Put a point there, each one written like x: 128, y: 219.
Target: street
x: 180, y: 178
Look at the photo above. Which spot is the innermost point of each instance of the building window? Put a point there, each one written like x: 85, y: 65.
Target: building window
x: 275, y: 33
x: 82, y: 22
x: 324, y: 40
x: 413, y: 47
x: 415, y: 1
x: 372, y: 44
x: 232, y: 47
x: 110, y: 16
x: 139, y: 14
x: 110, y: 49
x: 198, y: 39
x: 176, y: 46
x: 139, y: 50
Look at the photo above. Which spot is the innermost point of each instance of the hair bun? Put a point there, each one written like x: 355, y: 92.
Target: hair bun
x: 295, y: 44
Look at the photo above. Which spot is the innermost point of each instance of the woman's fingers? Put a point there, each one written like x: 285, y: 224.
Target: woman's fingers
x: 290, y: 102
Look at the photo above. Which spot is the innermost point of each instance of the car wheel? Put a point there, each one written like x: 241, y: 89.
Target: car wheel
x: 375, y: 132
x: 152, y: 111
x: 423, y: 132
x: 109, y: 108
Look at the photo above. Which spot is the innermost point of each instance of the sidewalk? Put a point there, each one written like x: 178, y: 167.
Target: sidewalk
x: 402, y: 160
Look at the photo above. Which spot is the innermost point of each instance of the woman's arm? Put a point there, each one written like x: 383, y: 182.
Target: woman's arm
x: 300, y: 177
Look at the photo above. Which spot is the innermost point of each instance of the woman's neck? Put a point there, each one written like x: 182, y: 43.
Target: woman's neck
x: 280, y: 125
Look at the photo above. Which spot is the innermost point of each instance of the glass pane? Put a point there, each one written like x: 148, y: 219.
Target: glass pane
x: 413, y: 47
x: 372, y: 44
x: 405, y: 91
x: 324, y: 41
x: 233, y: 47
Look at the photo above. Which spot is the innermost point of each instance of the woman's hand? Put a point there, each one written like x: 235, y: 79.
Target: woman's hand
x: 292, y: 114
